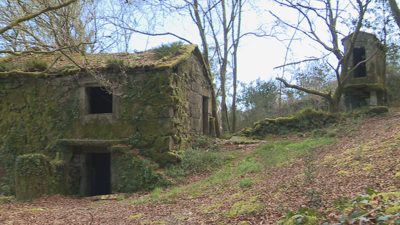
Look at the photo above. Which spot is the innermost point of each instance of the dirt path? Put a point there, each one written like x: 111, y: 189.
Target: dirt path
x: 362, y: 159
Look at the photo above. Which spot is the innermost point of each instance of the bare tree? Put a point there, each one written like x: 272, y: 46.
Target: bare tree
x: 395, y: 11
x: 69, y: 25
x: 325, y: 15
x: 18, y: 41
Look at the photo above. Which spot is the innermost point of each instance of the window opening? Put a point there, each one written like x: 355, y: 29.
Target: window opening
x: 358, y: 56
x: 100, y: 101
x: 205, y: 116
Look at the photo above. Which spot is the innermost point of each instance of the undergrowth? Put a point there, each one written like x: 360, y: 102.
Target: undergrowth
x: 280, y: 153
x: 210, y: 157
x: 372, y: 207
x: 169, y: 49
x: 195, y: 160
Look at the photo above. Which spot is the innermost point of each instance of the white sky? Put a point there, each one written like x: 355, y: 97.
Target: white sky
x: 257, y: 56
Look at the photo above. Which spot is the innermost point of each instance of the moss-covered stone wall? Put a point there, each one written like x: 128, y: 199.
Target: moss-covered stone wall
x: 155, y: 111
x: 304, y: 120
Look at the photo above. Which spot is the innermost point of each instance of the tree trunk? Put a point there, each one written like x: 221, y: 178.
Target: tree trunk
x: 234, y: 101
x: 395, y: 11
x: 214, y: 106
x: 224, y: 108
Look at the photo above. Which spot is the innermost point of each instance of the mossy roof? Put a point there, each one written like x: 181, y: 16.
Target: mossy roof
x: 361, y: 34
x: 132, y: 61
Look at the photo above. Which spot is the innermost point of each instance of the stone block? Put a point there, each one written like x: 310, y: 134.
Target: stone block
x: 163, y: 144
x: 162, y: 127
x: 150, y: 112
x: 167, y: 112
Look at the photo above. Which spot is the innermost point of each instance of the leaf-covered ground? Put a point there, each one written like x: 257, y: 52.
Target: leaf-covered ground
x: 252, y: 188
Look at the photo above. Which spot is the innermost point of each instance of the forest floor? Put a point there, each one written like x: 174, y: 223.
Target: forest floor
x: 254, y: 187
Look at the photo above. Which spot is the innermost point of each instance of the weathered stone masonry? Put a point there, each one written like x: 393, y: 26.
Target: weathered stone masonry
x: 87, y: 138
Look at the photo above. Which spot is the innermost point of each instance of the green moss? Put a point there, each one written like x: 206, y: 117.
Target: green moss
x: 368, y: 167
x: 397, y: 176
x: 211, y: 208
x: 393, y: 209
x: 343, y: 172
x: 370, y: 111
x: 6, y: 199
x: 38, y: 114
x: 35, y: 210
x: 137, y: 174
x: 246, y: 207
x: 305, y: 220
x: 304, y: 120
x: 35, y: 65
x: 36, y: 175
x: 136, y: 216
x: 69, y: 71
x: 120, y: 148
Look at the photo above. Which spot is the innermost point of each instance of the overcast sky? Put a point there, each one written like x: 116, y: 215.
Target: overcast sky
x: 257, y: 56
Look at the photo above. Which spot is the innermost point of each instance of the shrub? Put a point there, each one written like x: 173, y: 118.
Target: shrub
x: 35, y: 65
x: 115, y: 64
x: 370, y: 111
x: 169, y: 49
x: 5, y: 66
x: 331, y: 133
x: 304, y: 120
x: 246, y: 183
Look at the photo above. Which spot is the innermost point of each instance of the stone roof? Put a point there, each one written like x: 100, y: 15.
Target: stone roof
x: 131, y: 61
x: 360, y: 34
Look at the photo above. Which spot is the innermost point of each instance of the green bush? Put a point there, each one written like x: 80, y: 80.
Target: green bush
x: 331, y: 133
x: 115, y: 64
x: 35, y: 65
x: 246, y: 183
x: 304, y: 120
x: 169, y: 49
x: 370, y: 111
x: 5, y: 66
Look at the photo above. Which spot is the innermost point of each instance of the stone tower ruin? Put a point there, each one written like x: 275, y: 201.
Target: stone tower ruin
x: 365, y: 85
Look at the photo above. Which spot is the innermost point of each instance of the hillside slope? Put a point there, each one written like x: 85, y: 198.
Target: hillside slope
x: 259, y: 183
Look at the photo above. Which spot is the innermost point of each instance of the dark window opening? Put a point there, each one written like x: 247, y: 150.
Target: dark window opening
x: 100, y: 101
x: 205, y: 116
x: 358, y: 56
x: 99, y: 172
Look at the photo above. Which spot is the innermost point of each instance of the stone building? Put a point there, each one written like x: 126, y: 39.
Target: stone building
x: 365, y: 85
x: 105, y: 128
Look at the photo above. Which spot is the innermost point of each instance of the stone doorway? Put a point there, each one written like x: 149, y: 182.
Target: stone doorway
x: 100, y: 174
x: 94, y: 165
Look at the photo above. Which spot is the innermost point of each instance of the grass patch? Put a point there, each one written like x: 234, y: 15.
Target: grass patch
x: 246, y: 183
x: 153, y: 197
x: 248, y: 166
x: 196, y: 160
x: 35, y: 210
x: 279, y: 153
x: 136, y: 216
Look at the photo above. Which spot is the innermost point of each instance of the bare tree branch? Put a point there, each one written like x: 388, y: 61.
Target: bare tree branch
x: 309, y: 91
x: 305, y: 60
x: 33, y: 15
x: 148, y: 33
x: 40, y: 52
